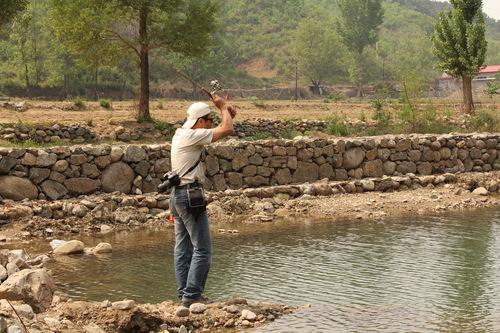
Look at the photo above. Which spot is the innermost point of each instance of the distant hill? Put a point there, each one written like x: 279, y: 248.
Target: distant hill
x: 260, y: 30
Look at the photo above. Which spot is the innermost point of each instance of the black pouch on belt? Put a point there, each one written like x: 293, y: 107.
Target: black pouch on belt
x: 196, y: 198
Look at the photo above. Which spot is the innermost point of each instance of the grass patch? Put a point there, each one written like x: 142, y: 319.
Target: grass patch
x: 337, y: 126
x: 165, y: 126
x: 79, y: 102
x: 291, y: 133
x: 258, y: 102
x: 485, y: 120
x: 259, y: 136
x: 105, y: 103
x: 32, y: 144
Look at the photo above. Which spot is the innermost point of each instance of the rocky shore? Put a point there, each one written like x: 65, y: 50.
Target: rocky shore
x: 29, y: 303
x: 363, y: 199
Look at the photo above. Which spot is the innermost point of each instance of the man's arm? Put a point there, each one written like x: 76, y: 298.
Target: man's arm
x: 226, y: 126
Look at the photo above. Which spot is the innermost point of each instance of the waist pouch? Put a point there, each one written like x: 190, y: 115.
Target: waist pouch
x: 196, y: 199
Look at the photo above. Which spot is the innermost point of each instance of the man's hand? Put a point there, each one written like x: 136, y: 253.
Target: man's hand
x: 232, y: 111
x: 219, y: 102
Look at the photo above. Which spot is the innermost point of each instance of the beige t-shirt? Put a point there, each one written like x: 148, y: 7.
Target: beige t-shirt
x: 187, y: 145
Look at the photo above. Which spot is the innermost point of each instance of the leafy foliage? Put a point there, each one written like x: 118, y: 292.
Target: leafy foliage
x: 358, y: 26
x: 10, y: 8
x: 460, y: 43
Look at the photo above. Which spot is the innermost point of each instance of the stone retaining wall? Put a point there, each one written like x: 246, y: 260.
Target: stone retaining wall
x: 63, y: 172
x: 46, y: 134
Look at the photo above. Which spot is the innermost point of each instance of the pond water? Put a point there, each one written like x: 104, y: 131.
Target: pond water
x: 422, y: 274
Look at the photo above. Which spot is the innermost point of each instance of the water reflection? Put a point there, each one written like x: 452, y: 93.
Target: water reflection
x: 425, y: 275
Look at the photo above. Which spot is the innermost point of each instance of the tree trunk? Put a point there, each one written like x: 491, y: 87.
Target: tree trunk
x: 468, y: 106
x: 144, y: 115
x: 359, y: 81
x: 96, y: 77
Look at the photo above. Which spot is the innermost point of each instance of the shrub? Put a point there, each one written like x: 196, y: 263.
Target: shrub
x: 160, y: 105
x: 260, y: 103
x: 336, y: 96
x: 90, y: 122
x: 336, y: 126
x: 291, y: 133
x: 105, y: 103
x: 164, y: 126
x: 485, y: 120
x: 377, y: 104
x: 79, y: 103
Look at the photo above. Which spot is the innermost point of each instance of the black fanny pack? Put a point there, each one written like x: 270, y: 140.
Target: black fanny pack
x: 196, y: 198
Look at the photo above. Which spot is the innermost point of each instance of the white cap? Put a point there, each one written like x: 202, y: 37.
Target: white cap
x: 195, y: 111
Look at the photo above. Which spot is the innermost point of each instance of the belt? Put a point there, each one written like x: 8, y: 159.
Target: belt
x: 186, y: 186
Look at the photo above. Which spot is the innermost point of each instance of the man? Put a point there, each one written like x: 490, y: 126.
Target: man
x: 193, y: 244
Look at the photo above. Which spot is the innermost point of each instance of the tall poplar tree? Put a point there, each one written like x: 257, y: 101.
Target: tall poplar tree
x: 359, y: 23
x: 107, y: 28
x: 460, y: 44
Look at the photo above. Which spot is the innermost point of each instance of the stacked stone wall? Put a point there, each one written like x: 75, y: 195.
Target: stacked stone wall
x: 47, y: 134
x: 64, y: 172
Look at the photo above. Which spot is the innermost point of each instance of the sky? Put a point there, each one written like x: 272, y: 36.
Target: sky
x: 490, y: 7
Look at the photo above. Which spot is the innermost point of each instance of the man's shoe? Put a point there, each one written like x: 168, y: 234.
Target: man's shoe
x: 188, y: 301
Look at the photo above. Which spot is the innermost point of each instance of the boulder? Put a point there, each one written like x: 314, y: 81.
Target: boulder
x: 81, y: 185
x: 38, y: 175
x: 283, y: 176
x: 117, y: 177
x: 306, y: 172
x: 123, y: 305
x: 116, y: 154
x: 373, y: 168
x: 45, y: 159
x: 53, y: 189
x: 480, y: 191
x: 352, y: 158
x: 70, y: 247
x: 33, y: 286
x: 134, y: 153
x: 17, y: 188
x: 197, y: 308
x: 102, y: 248
x: 6, y: 164
x: 162, y: 165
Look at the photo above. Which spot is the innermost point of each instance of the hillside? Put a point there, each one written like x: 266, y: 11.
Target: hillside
x: 252, y: 48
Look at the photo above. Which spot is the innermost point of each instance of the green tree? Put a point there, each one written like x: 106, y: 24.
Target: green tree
x: 136, y: 26
x: 460, y: 44
x: 358, y: 26
x: 9, y: 9
x: 318, y: 52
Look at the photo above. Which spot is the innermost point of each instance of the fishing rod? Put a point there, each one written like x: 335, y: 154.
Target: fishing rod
x: 214, y: 84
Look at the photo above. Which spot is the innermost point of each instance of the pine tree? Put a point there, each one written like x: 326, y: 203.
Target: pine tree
x: 460, y: 44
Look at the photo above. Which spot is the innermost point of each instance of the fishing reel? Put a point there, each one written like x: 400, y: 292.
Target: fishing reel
x: 215, y: 85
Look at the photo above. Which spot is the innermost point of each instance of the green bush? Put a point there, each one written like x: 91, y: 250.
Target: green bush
x: 485, y: 120
x: 336, y: 126
x: 164, y: 126
x: 79, y: 103
x: 105, y: 103
x: 377, y: 104
x: 336, y: 96
x: 258, y: 102
x: 291, y: 133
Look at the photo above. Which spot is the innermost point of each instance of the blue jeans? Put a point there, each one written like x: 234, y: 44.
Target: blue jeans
x: 193, y: 247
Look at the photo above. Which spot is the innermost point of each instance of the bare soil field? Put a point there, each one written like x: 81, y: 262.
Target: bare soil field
x: 124, y: 112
